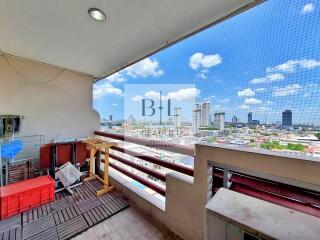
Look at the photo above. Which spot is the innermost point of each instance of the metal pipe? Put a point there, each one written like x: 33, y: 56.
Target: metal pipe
x: 162, y: 145
x: 159, y: 189
x: 173, y: 166
x: 141, y: 168
x: 285, y: 202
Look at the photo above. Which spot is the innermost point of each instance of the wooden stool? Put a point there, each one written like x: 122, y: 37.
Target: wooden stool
x: 100, y: 145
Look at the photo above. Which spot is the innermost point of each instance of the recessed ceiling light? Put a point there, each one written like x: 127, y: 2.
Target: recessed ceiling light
x: 97, y: 14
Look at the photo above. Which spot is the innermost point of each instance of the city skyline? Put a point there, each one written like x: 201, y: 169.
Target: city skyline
x: 236, y: 68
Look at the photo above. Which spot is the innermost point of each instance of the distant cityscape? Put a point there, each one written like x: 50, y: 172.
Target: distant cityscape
x: 284, y: 136
x: 281, y: 136
x: 260, y: 95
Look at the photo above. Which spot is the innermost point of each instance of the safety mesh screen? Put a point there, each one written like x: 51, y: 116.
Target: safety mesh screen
x: 263, y: 61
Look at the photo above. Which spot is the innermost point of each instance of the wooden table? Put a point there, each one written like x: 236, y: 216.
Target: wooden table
x: 96, y: 144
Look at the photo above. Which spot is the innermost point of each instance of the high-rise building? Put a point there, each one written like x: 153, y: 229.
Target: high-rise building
x: 219, y: 120
x: 235, y: 120
x: 131, y: 120
x: 205, y: 114
x: 110, y: 118
x: 287, y: 118
x: 250, y: 117
x: 177, y: 117
x: 196, y: 117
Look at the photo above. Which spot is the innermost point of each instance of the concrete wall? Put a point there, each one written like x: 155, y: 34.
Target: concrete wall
x: 54, y: 102
x: 186, y: 197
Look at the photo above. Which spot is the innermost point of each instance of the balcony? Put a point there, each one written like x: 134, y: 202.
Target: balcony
x: 185, y: 201
x: 51, y: 63
x: 291, y: 189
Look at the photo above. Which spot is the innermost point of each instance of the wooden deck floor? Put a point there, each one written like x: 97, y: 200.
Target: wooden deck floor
x: 66, y: 217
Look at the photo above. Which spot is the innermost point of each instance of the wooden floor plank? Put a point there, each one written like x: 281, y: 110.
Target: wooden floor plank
x: 72, y: 228
x: 61, y: 204
x: 89, y: 219
x: 48, y: 234
x: 10, y: 223
x: 38, y: 226
x: 65, y: 218
x: 89, y: 204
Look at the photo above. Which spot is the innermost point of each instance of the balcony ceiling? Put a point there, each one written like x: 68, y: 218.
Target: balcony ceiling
x: 61, y: 33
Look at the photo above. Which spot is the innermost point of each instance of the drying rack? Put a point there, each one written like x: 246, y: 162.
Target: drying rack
x: 96, y: 144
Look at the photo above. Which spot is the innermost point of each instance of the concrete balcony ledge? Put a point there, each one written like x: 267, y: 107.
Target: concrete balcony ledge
x: 260, y: 218
x: 300, y: 171
x: 170, y: 213
x: 126, y: 186
x: 260, y: 152
x: 184, y: 209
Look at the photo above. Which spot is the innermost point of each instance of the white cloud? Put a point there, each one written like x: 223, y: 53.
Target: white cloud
x: 245, y: 107
x: 277, y: 73
x: 224, y: 100
x: 105, y: 89
x: 144, y: 68
x: 246, y: 93
x: 252, y: 101
x: 264, y: 109
x: 208, y: 99
x: 308, y: 8
x: 260, y: 89
x: 311, y: 89
x: 292, y: 66
x: 179, y: 95
x: 203, y: 74
x: 184, y: 94
x: 152, y: 95
x: 286, y: 91
x: 116, y: 77
x: 114, y: 104
x: 204, y: 61
x: 136, y: 98
x: 268, y: 79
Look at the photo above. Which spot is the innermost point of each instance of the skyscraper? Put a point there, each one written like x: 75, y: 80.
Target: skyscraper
x: 219, y: 120
x: 250, y: 117
x: 196, y: 117
x: 287, y: 118
x: 110, y: 118
x: 235, y: 120
x: 177, y: 117
x: 131, y: 120
x: 205, y: 114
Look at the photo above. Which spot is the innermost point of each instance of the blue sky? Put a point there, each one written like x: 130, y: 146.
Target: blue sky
x: 264, y: 60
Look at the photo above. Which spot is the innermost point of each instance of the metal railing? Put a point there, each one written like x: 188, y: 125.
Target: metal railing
x: 174, y: 148
x: 280, y: 193
x: 162, y: 145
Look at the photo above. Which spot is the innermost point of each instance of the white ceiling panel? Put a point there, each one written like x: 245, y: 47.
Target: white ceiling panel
x: 61, y: 33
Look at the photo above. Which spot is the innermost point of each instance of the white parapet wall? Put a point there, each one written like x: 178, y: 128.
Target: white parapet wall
x: 184, y: 209
x: 55, y: 103
x: 230, y: 215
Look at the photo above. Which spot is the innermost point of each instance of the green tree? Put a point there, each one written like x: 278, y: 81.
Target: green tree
x: 296, y: 147
x: 211, y: 139
x: 276, y: 145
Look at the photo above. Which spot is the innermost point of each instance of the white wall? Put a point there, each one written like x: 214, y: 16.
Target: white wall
x: 186, y: 197
x: 54, y: 102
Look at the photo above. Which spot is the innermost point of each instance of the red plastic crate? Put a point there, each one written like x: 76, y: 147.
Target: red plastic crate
x: 22, y: 196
